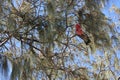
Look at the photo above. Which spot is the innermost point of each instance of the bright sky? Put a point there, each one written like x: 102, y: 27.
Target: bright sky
x: 111, y: 14
x: 116, y: 19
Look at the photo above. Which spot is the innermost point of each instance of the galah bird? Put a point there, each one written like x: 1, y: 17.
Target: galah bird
x: 82, y: 34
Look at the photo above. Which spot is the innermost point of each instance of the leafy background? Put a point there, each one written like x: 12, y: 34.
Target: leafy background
x: 38, y: 36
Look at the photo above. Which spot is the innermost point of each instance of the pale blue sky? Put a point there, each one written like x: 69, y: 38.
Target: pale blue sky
x: 116, y: 19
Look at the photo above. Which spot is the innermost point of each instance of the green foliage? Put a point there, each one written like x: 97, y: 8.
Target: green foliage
x: 38, y: 36
x: 95, y: 23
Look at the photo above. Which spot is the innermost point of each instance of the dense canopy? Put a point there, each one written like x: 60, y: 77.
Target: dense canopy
x: 38, y: 37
